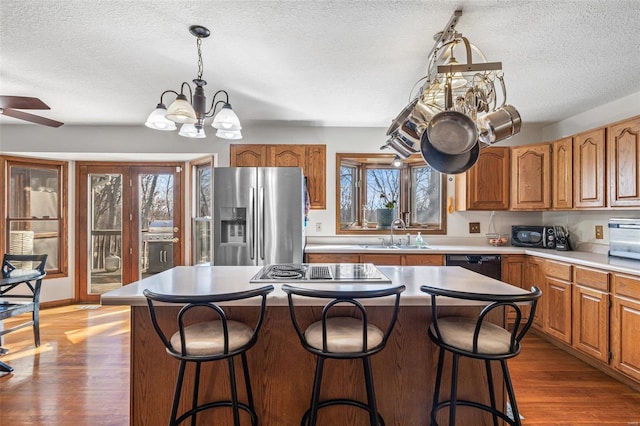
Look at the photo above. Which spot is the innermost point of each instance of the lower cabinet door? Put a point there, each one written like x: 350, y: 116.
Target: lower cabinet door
x: 624, y: 337
x: 557, y: 310
x: 591, y: 322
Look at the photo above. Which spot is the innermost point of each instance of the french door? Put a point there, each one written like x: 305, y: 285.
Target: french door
x: 129, y: 224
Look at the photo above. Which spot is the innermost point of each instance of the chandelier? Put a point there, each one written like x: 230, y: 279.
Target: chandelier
x: 191, y: 112
x: 459, y: 109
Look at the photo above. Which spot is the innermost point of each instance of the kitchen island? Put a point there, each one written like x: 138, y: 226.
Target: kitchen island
x: 282, y: 371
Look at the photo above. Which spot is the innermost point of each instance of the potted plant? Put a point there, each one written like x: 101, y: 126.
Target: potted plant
x: 385, y: 214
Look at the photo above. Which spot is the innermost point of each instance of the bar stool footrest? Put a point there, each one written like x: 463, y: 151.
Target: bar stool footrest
x: 473, y: 404
x: 218, y: 404
x: 342, y: 401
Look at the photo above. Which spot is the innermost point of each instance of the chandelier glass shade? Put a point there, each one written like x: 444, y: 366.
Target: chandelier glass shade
x: 191, y: 111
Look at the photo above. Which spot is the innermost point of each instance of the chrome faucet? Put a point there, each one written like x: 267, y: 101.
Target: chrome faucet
x: 399, y: 222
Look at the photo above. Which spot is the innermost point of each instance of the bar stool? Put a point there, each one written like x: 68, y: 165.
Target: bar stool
x: 478, y: 338
x: 210, y: 340
x: 343, y: 337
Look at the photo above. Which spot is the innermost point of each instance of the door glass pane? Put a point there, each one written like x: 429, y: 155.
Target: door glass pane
x: 156, y: 223
x: 202, y: 221
x: 105, y: 230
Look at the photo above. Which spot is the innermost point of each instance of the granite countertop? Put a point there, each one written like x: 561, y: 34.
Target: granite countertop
x: 592, y: 260
x: 194, y: 280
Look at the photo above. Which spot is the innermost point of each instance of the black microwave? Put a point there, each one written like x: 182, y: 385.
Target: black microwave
x: 533, y: 236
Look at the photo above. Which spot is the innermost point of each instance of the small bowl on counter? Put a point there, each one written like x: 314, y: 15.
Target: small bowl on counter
x: 498, y: 240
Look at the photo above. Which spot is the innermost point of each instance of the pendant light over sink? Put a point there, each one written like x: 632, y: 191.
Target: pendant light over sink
x: 192, y: 111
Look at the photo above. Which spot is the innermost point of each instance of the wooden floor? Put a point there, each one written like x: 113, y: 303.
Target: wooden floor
x: 80, y: 376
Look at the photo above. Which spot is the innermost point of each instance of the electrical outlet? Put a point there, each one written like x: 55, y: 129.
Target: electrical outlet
x: 318, y: 226
x: 474, y: 227
x: 599, y: 235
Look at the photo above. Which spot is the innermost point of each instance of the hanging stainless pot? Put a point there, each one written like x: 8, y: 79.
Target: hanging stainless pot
x: 402, y: 117
x: 448, y: 163
x: 499, y: 125
x: 452, y: 132
x: 401, y: 145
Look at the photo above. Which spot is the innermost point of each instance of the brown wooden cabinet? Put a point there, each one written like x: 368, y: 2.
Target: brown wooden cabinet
x: 562, y: 174
x: 590, y: 316
x: 557, y: 302
x: 623, y: 157
x: 589, y: 188
x: 424, y: 260
x: 514, y: 269
x: 332, y: 257
x: 625, y: 321
x: 381, y: 259
x: 312, y: 159
x: 531, y: 177
x: 486, y: 185
x: 535, y: 277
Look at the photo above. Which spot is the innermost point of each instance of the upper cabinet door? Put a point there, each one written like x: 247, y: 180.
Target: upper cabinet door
x: 562, y: 174
x: 248, y: 155
x: 589, y: 169
x: 531, y: 177
x: 486, y: 185
x: 623, y: 140
x: 286, y: 155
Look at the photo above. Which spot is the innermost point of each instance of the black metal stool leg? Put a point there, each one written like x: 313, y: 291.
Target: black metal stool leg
x: 436, y: 391
x: 36, y: 326
x: 315, y: 397
x: 247, y: 383
x: 492, y: 395
x: 510, y: 393
x: 371, y: 393
x: 234, y: 392
x: 454, y: 390
x: 194, y: 401
x: 176, y: 394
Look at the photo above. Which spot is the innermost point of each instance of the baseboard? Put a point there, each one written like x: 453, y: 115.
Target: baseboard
x: 56, y: 303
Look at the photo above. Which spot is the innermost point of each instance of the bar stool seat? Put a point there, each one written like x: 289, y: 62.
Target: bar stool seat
x: 340, y: 336
x: 199, y: 340
x: 480, y: 339
x: 344, y: 334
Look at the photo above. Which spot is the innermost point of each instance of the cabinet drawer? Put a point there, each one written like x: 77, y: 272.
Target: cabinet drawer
x: 626, y: 285
x: 332, y: 258
x: 593, y: 278
x: 557, y: 270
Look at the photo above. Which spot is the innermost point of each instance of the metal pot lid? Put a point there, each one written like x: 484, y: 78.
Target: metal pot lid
x: 448, y: 163
x: 452, y: 132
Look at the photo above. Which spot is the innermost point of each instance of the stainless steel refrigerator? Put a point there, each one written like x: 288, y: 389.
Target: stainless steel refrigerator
x: 258, y: 215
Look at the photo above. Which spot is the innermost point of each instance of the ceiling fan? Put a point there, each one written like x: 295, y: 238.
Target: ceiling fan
x: 9, y: 106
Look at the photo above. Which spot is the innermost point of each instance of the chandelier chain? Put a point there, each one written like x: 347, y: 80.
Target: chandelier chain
x: 200, y: 66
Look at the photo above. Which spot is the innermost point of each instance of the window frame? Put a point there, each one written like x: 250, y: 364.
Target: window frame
x: 62, y: 168
x: 371, y: 161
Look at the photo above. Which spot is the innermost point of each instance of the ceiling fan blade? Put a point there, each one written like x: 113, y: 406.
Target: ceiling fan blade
x: 30, y: 117
x: 22, y: 102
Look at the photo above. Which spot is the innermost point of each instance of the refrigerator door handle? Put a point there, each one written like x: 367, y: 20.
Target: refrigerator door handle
x: 252, y: 234
x: 261, y: 222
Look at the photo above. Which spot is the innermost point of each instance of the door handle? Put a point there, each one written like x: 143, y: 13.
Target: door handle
x: 252, y: 234
x: 175, y: 240
x: 261, y: 219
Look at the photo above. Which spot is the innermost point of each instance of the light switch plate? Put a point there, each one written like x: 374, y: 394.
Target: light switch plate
x: 599, y: 235
x: 474, y: 227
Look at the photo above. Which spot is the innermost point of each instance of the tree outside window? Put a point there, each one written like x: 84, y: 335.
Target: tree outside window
x: 368, y: 182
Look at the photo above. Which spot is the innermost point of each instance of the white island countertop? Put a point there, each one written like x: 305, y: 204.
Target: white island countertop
x: 195, y: 280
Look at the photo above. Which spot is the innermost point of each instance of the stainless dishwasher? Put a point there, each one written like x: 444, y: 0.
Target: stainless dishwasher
x: 485, y: 264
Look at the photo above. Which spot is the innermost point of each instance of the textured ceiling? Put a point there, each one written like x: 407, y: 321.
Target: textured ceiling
x: 324, y: 63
